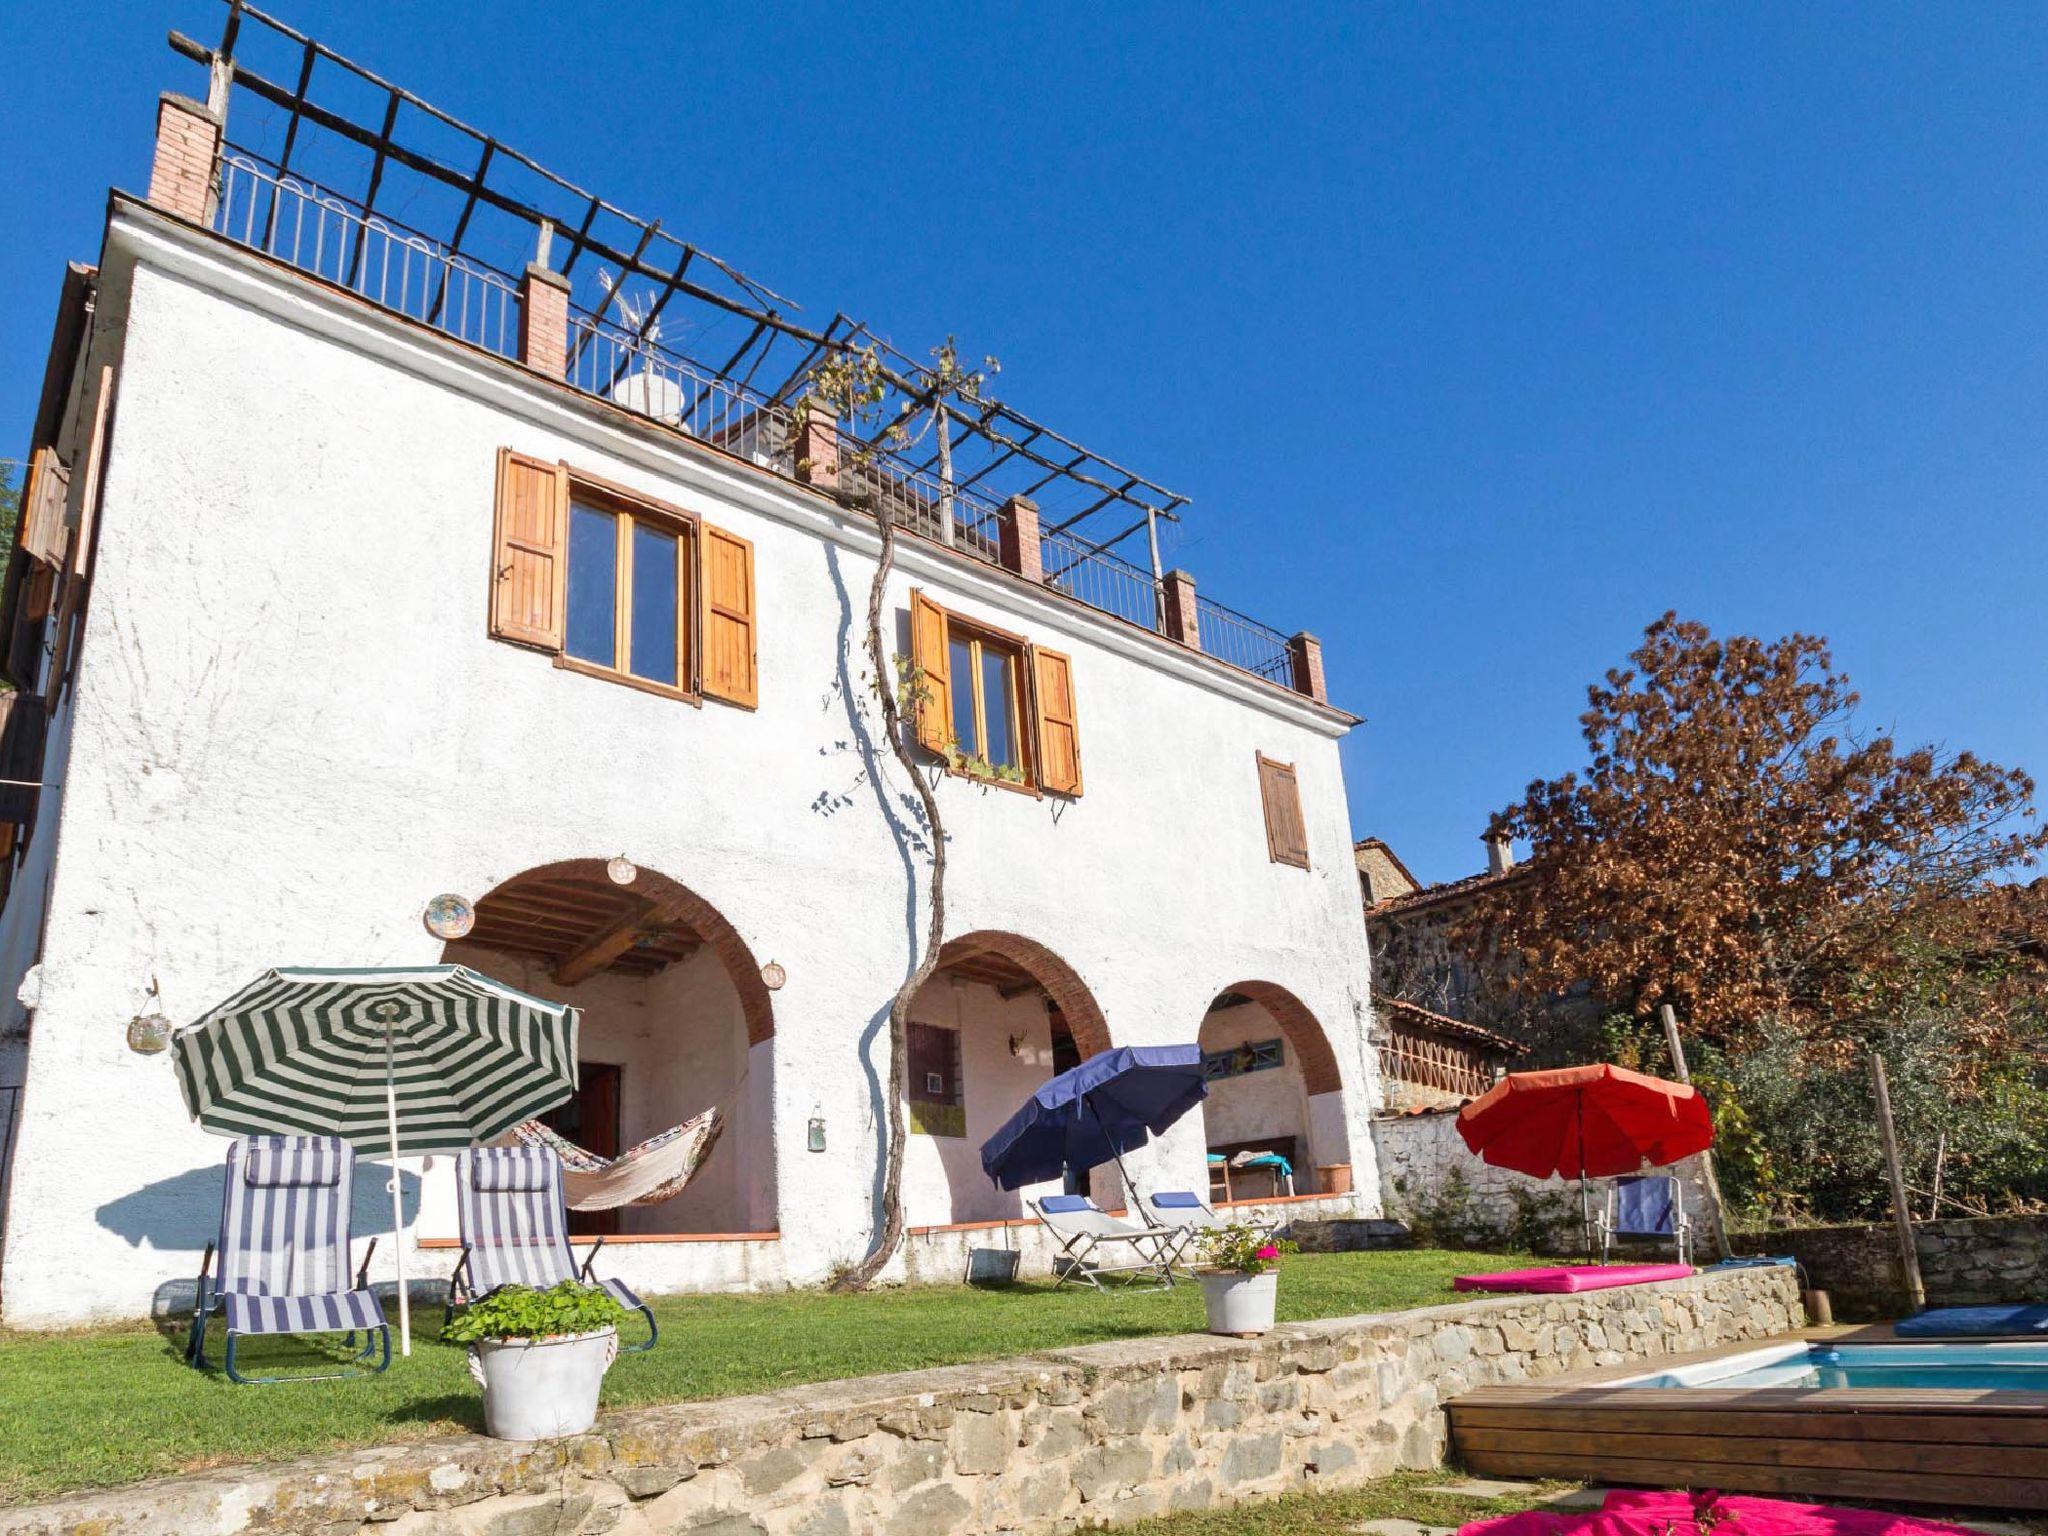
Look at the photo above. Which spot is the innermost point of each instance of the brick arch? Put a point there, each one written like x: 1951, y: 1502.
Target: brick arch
x: 676, y: 904
x: 1299, y: 1027
x: 1062, y: 983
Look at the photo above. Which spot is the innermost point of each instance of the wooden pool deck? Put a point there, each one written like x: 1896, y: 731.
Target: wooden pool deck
x: 1906, y: 1445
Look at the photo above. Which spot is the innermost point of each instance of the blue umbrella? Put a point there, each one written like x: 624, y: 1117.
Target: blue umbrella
x: 1095, y: 1113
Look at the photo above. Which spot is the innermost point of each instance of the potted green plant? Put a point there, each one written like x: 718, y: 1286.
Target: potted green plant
x: 540, y: 1356
x: 1240, y: 1278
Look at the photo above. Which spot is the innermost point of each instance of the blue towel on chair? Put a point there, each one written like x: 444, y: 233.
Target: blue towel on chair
x: 1642, y: 1207
x: 1975, y: 1322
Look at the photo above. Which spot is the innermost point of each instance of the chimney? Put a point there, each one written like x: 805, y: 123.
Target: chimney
x: 1500, y: 852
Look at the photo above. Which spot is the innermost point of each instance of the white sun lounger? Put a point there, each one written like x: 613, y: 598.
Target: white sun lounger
x: 1094, y: 1243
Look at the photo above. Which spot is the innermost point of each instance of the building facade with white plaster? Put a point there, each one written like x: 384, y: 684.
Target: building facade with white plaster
x: 330, y: 612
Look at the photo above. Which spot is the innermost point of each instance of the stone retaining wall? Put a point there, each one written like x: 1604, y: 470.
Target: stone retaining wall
x: 1962, y: 1263
x: 1098, y: 1435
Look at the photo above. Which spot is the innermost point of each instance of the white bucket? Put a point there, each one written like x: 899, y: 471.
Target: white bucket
x: 1239, y: 1303
x: 536, y: 1389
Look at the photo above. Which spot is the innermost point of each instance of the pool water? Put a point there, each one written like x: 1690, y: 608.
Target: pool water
x: 1954, y: 1367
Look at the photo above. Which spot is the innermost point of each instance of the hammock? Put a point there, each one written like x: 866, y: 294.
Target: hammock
x: 654, y: 1171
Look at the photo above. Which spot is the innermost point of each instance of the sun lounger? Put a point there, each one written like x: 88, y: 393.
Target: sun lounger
x: 2024, y: 1319
x: 1188, y: 1215
x: 1645, y: 1208
x: 1572, y: 1277
x: 515, y: 1230
x: 1093, y: 1243
x: 284, y: 1251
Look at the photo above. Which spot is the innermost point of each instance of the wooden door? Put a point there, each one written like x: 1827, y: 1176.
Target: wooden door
x: 591, y: 1120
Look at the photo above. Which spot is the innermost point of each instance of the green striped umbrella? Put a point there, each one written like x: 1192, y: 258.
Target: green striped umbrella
x: 458, y: 1057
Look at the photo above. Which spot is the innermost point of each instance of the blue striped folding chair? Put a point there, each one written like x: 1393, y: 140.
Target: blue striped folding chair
x: 284, y: 1249
x: 515, y: 1230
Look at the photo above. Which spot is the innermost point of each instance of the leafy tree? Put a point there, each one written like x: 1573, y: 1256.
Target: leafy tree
x: 1736, y: 847
x: 10, y: 500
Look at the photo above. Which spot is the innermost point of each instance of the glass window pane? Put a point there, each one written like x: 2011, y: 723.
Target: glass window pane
x: 654, y: 605
x: 593, y: 585
x: 996, y: 668
x: 961, y: 677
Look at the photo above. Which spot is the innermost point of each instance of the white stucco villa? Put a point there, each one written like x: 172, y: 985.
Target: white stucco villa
x: 359, y: 569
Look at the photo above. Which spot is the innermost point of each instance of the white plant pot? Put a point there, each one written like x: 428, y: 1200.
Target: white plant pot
x: 536, y: 1389
x: 1239, y: 1303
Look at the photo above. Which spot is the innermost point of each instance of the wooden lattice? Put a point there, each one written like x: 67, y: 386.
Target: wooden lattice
x: 1429, y: 1062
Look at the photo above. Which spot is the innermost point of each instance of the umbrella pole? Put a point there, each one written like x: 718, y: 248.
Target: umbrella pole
x: 1130, y: 1189
x: 397, y: 1199
x: 1585, y: 1200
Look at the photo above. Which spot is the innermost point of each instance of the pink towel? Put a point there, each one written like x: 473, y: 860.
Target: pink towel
x: 1696, y: 1514
x: 1576, y: 1277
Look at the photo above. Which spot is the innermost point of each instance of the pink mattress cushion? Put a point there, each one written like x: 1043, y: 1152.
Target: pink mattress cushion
x: 1629, y: 1513
x: 1572, y: 1277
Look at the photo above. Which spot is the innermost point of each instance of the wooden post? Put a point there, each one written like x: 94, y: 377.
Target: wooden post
x: 1707, y: 1176
x: 1902, y: 1213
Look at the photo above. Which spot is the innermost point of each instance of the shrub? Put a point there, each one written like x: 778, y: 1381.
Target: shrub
x: 1245, y: 1249
x: 520, y: 1312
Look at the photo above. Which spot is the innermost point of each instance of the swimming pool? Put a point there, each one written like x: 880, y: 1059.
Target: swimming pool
x: 1957, y: 1366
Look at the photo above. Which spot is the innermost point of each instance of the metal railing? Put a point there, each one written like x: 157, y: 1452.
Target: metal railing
x: 614, y: 364
x: 1244, y: 642
x: 396, y: 268
x: 1100, y: 579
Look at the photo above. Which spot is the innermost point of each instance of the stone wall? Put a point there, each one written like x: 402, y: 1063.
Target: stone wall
x: 1430, y: 1180
x: 1099, y: 1435
x: 1962, y: 1263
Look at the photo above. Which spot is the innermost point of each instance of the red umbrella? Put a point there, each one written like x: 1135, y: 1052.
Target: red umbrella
x: 1586, y: 1122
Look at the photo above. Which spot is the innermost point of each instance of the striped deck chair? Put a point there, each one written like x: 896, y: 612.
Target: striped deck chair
x: 283, y: 1249
x: 515, y: 1230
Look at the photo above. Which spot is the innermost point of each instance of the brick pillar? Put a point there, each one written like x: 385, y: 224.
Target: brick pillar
x: 1183, y: 619
x: 1017, y: 520
x: 1307, y: 653
x: 181, y: 175
x: 544, y: 321
x: 814, y: 448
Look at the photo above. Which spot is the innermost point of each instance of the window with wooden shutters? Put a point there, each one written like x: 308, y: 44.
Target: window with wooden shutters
x: 1286, y: 832
x: 729, y: 659
x: 997, y: 709
x: 620, y: 586
x: 938, y: 1107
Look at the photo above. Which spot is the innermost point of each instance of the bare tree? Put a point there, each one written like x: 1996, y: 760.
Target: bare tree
x: 851, y: 386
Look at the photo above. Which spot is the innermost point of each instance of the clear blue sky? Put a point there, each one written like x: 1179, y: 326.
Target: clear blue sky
x: 1479, y: 335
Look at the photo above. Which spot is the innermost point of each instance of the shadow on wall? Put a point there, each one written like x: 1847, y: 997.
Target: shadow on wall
x: 183, y: 1212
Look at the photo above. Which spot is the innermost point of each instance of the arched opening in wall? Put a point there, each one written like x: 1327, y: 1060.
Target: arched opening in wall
x: 999, y: 1016
x: 1275, y: 1107
x: 676, y: 1020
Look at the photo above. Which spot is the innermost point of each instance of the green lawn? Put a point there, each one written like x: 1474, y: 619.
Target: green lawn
x: 112, y: 1406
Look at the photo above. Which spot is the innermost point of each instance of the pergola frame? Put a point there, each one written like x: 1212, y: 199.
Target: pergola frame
x: 997, y: 451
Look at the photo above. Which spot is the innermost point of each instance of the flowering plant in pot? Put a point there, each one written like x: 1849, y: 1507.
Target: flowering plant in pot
x: 540, y: 1356
x: 1240, y: 1278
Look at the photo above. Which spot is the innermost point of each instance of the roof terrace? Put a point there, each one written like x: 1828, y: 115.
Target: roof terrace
x: 329, y: 168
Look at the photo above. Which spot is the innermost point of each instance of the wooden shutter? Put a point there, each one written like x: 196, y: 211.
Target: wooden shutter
x: 730, y: 670
x: 79, y: 552
x: 1058, y: 732
x: 928, y: 650
x: 529, y: 551
x: 1286, y: 833
x: 42, y: 508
